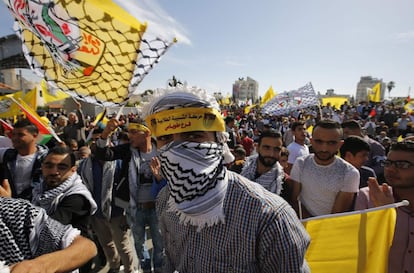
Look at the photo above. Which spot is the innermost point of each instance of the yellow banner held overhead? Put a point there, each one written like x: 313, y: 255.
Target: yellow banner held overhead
x: 357, y: 242
x: 334, y: 101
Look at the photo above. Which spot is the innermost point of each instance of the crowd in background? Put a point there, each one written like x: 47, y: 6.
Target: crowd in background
x: 376, y: 123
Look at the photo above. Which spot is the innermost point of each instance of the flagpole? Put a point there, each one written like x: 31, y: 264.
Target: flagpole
x: 120, y: 112
x: 389, y: 206
x: 90, y: 134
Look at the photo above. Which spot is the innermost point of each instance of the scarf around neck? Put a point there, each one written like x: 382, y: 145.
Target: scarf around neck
x: 197, y: 181
x: 49, y: 199
x: 271, y: 180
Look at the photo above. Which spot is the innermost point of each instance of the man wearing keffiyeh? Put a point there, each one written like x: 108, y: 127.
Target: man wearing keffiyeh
x: 263, y: 167
x: 31, y: 241
x: 212, y: 219
x: 61, y: 192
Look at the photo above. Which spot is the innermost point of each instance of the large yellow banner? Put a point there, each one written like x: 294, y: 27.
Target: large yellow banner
x: 352, y: 242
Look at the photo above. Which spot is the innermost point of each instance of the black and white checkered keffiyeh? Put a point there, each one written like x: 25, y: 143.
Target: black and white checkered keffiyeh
x: 197, y: 181
x: 271, y: 180
x: 49, y: 199
x: 27, y: 232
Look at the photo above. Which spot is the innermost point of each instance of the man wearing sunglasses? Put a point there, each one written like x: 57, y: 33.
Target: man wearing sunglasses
x: 399, y: 175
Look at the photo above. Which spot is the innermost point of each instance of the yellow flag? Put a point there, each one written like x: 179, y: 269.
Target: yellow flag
x: 227, y: 100
x: 267, y: 96
x: 334, y: 101
x: 92, y: 49
x: 409, y: 106
x: 48, y: 96
x: 101, y: 117
x: 310, y: 129
x: 351, y: 242
x: 30, y: 98
x: 374, y: 94
x: 8, y: 107
x: 248, y: 108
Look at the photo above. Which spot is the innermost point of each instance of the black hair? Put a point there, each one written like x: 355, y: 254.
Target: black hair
x: 63, y: 150
x: 28, y: 125
x: 328, y: 124
x: 271, y: 133
x: 354, y: 144
x: 229, y: 119
x: 351, y: 124
x: 297, y: 124
x: 405, y: 145
x: 240, y: 151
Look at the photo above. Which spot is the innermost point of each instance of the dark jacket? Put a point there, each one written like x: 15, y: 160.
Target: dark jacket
x: 8, y: 166
x: 122, y: 152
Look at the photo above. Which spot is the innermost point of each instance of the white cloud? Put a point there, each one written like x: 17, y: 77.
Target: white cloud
x: 159, y: 22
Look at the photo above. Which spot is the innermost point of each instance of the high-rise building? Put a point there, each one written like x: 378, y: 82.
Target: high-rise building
x: 368, y: 82
x: 245, y: 89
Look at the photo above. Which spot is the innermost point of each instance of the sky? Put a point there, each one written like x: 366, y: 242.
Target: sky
x: 283, y: 44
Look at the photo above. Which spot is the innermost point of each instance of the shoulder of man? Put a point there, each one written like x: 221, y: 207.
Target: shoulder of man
x: 42, y: 151
x: 9, y: 155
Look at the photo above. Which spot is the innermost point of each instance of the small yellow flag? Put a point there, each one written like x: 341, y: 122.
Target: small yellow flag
x: 267, y: 96
x: 374, y: 94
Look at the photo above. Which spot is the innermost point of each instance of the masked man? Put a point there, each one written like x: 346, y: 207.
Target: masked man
x: 214, y: 220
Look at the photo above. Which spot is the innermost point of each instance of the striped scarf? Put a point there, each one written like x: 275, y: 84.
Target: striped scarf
x: 197, y: 181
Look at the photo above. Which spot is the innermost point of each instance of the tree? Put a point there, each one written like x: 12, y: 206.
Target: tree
x: 390, y: 86
x: 174, y: 82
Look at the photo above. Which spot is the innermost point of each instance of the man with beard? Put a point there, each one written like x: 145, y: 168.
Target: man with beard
x: 324, y: 183
x: 214, y: 220
x: 62, y: 193
x: 263, y: 167
x: 399, y: 174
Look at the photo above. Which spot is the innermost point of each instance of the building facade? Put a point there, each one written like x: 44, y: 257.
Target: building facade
x: 365, y: 83
x: 245, y: 89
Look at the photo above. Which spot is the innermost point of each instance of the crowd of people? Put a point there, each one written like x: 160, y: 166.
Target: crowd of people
x: 213, y: 193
